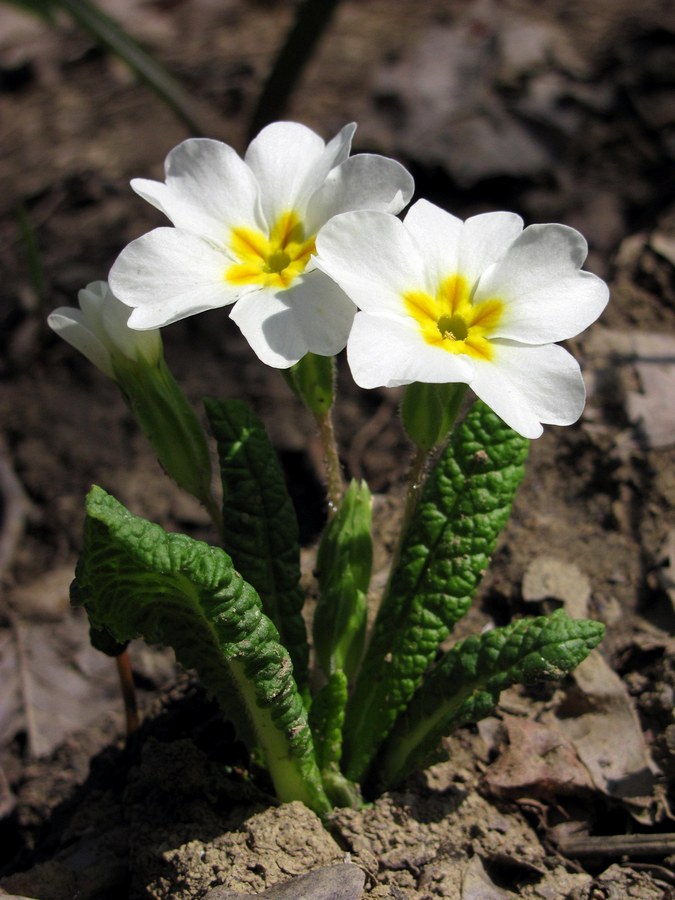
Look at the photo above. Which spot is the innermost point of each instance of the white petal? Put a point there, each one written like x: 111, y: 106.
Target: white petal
x: 169, y: 274
x: 546, y: 297
x: 437, y: 234
x: 128, y: 341
x: 322, y: 312
x: 91, y: 299
x: 71, y: 324
x: 208, y: 189
x: 290, y: 162
x: 268, y: 324
x: 386, y: 353
x: 365, y: 181
x: 527, y: 386
x: 484, y: 240
x: 373, y: 259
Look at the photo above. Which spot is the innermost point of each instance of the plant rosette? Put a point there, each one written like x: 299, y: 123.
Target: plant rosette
x: 303, y: 242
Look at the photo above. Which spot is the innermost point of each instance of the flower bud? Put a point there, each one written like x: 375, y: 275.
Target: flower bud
x: 135, y: 361
x: 428, y: 412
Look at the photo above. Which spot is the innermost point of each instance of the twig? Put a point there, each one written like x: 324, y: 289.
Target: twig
x: 14, y: 510
x: 619, y: 845
x: 367, y: 433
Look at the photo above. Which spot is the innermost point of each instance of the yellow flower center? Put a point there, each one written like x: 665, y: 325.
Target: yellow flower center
x: 450, y: 320
x: 273, y: 260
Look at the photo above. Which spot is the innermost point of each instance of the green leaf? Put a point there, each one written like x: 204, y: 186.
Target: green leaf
x: 465, y: 504
x: 344, y: 564
x: 326, y: 719
x: 260, y: 529
x: 465, y: 685
x: 110, y: 34
x: 134, y: 580
x: 46, y: 9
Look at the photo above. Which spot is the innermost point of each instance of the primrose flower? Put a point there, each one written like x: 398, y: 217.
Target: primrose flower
x: 245, y: 233
x: 99, y: 329
x: 479, y: 302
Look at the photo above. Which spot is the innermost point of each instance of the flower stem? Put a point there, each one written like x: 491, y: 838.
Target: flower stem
x: 331, y: 458
x: 128, y: 692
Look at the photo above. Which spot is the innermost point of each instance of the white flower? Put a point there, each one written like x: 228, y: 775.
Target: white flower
x: 245, y: 233
x: 99, y: 329
x: 479, y: 302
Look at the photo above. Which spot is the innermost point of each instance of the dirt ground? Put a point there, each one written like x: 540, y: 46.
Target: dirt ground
x: 561, y: 111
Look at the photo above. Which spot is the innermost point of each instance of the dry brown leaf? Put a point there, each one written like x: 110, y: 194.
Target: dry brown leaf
x: 64, y: 684
x: 55, y: 683
x: 537, y: 761
x: 600, y: 721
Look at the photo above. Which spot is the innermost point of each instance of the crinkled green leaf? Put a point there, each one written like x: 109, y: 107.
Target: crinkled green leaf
x: 344, y: 564
x: 464, y: 505
x: 135, y: 580
x: 465, y: 685
x: 260, y: 529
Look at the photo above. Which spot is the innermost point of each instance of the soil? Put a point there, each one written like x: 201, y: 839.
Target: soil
x: 561, y: 111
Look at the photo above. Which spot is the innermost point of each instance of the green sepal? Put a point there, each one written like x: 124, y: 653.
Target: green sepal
x: 465, y: 504
x: 312, y: 380
x: 135, y: 580
x: 260, y: 528
x: 428, y: 411
x: 168, y: 421
x: 344, y: 563
x: 465, y: 685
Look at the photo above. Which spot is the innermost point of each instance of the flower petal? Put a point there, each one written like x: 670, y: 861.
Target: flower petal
x: 128, y: 341
x: 267, y: 322
x: 485, y: 238
x: 169, y: 274
x: 91, y: 300
x: 208, y: 190
x: 323, y: 313
x: 373, y: 259
x: 528, y: 386
x: 546, y: 297
x: 290, y: 162
x: 438, y: 234
x: 71, y: 324
x: 386, y: 353
x: 365, y: 181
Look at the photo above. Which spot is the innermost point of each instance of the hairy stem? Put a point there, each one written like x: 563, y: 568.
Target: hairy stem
x: 132, y: 719
x: 334, y: 480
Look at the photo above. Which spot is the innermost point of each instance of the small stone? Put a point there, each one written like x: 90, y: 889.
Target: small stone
x: 550, y: 578
x: 341, y: 882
